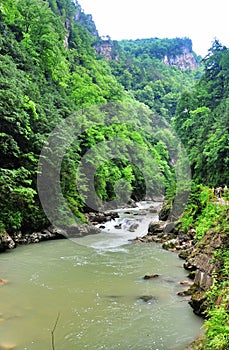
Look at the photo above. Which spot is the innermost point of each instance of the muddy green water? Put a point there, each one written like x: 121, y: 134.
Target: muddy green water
x: 94, y: 284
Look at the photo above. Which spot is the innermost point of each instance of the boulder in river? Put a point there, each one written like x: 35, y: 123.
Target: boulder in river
x: 156, y: 227
x: 148, y: 277
x: 148, y: 298
x: 118, y: 227
x: 186, y: 283
x: 133, y: 227
x: 101, y: 217
x: 75, y: 231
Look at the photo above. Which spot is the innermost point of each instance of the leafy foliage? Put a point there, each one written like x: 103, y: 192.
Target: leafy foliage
x: 140, y: 68
x: 217, y: 324
x: 202, y: 120
x: 204, y: 213
x: 49, y: 70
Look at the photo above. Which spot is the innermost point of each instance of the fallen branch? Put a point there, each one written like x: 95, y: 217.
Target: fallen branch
x: 53, y: 331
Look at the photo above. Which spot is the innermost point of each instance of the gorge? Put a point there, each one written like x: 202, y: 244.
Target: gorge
x: 89, y: 125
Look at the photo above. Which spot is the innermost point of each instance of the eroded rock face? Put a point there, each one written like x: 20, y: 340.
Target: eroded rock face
x: 202, y: 264
x: 6, y: 242
x: 50, y: 233
x: 184, y: 61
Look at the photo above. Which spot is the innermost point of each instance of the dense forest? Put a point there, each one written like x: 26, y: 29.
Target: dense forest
x: 156, y: 71
x: 202, y: 120
x: 138, y: 118
x: 51, y: 70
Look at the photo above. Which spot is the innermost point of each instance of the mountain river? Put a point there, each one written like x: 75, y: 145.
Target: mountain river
x: 89, y: 293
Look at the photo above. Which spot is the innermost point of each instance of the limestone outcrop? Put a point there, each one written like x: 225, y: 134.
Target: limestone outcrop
x: 185, y: 60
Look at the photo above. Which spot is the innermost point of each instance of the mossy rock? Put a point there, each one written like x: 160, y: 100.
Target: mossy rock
x: 199, y: 303
x: 165, y: 211
x: 184, y: 254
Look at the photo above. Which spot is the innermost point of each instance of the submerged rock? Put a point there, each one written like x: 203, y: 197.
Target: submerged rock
x: 153, y: 210
x: 133, y: 227
x: 148, y: 298
x: 184, y: 293
x: 7, y: 346
x: 118, y: 227
x: 186, y: 283
x: 147, y: 277
x: 3, y: 281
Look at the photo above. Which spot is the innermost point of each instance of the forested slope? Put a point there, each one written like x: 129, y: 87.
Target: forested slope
x: 52, y: 73
x: 46, y: 73
x: 202, y: 120
x: 49, y: 70
x: 156, y: 71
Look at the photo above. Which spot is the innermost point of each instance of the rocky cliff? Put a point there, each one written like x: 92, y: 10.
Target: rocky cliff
x: 107, y: 47
x: 203, y: 266
x: 185, y: 60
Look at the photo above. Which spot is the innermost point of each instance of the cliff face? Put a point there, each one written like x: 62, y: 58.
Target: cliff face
x: 185, y: 60
x: 202, y: 265
x: 107, y: 47
x: 104, y: 48
x: 86, y: 20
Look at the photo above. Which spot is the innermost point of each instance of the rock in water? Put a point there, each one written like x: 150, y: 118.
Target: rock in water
x: 148, y: 298
x: 186, y: 283
x: 147, y: 277
x: 133, y: 227
x: 7, y: 346
x: 118, y: 227
x: 3, y: 281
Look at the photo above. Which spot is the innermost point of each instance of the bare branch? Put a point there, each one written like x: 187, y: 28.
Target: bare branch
x: 53, y: 331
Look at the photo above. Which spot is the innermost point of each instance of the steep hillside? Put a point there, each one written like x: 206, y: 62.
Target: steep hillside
x: 43, y: 80
x: 155, y: 71
x: 49, y: 72
x: 202, y: 120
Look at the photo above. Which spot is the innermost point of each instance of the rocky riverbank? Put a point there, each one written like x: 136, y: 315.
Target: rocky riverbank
x: 199, y: 257
x: 11, y: 241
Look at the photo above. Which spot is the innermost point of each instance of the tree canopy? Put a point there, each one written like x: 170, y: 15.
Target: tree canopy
x: 50, y: 71
x: 202, y: 119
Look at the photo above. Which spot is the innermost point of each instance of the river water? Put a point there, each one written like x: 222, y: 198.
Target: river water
x: 95, y: 284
